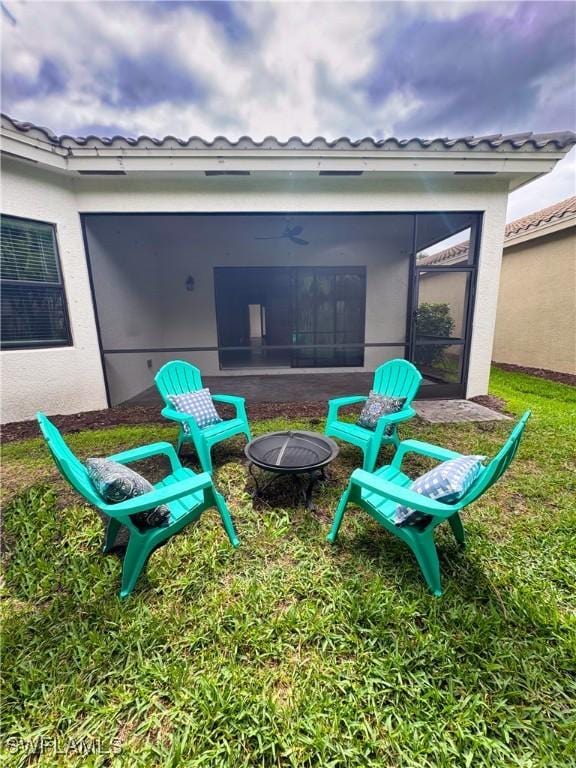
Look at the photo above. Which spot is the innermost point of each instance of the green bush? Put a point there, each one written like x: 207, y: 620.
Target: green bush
x: 433, y: 320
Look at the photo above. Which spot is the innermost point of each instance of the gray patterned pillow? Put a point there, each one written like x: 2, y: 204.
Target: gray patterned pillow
x: 115, y: 482
x: 379, y: 405
x: 199, y: 405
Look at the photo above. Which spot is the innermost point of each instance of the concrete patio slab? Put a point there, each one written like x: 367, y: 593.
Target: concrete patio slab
x: 278, y: 388
x: 453, y: 411
x: 291, y: 388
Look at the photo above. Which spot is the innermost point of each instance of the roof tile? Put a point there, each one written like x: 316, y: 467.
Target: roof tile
x: 538, y: 141
x: 531, y: 222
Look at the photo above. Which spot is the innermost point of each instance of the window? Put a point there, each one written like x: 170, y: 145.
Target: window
x: 34, y: 312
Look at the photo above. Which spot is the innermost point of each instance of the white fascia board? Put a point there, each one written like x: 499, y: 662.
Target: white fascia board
x: 141, y: 162
x: 31, y: 150
x: 166, y: 160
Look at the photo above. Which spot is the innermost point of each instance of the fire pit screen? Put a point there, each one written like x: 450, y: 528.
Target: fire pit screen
x: 291, y: 453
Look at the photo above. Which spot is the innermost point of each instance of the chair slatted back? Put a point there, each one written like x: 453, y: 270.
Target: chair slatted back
x: 397, y: 378
x: 69, y: 466
x: 176, y: 378
x: 499, y: 464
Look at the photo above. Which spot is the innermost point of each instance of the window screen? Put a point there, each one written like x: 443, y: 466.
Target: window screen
x: 34, y: 312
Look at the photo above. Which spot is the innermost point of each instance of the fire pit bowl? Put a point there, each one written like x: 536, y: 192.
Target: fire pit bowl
x: 291, y: 453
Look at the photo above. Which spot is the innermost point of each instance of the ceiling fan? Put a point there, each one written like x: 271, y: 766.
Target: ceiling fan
x: 289, y: 233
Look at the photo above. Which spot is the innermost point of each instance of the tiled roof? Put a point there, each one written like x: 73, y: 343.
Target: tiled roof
x: 450, y: 255
x: 530, y: 223
x: 495, y: 142
x: 545, y: 216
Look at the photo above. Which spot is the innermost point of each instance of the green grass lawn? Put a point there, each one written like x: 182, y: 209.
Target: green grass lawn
x: 290, y: 651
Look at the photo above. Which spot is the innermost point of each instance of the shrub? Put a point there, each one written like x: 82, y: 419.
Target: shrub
x: 433, y: 320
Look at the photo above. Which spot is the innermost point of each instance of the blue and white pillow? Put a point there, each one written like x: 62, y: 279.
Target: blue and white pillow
x: 447, y: 482
x: 197, y: 404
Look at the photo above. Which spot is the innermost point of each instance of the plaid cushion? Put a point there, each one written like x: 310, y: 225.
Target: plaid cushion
x: 199, y: 405
x: 379, y: 405
x: 447, y: 482
x: 115, y: 483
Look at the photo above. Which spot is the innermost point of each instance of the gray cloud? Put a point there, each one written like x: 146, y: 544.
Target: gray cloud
x: 233, y: 68
x: 145, y: 80
x: 480, y: 72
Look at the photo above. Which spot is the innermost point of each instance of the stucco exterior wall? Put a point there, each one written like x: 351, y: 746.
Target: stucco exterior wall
x: 536, y: 319
x: 63, y: 379
x: 71, y: 379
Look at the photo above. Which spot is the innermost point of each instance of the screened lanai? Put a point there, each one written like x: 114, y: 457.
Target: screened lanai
x: 290, y: 294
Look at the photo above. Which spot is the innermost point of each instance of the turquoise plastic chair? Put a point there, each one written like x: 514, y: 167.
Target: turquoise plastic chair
x: 186, y: 494
x: 179, y: 377
x: 379, y: 493
x: 396, y: 378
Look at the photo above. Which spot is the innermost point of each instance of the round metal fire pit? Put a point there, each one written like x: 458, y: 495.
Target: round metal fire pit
x: 291, y: 453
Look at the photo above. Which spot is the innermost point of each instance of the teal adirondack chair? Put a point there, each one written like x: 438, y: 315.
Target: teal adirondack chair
x: 178, y: 377
x: 379, y: 493
x: 186, y: 494
x: 396, y: 378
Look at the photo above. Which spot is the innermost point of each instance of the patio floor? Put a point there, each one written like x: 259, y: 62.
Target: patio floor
x: 306, y: 387
x: 277, y: 388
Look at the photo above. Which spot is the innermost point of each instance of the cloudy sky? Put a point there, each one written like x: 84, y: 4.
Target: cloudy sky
x: 354, y: 68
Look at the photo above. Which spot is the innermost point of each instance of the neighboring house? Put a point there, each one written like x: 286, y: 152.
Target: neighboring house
x: 536, y: 316
x: 120, y: 254
x: 536, y: 319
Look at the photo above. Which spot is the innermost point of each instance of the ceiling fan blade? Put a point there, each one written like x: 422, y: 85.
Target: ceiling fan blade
x: 299, y: 241
x: 274, y: 237
x: 297, y: 230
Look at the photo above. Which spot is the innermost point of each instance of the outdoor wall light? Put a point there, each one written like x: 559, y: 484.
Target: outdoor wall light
x: 190, y: 283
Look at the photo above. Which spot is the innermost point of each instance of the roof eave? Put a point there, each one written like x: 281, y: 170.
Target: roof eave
x: 541, y: 230
x: 521, y: 164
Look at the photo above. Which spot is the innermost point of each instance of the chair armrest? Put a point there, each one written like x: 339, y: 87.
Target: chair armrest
x: 339, y: 402
x: 402, y: 495
x: 238, y: 402
x: 394, y: 418
x: 174, y: 415
x: 159, y: 496
x: 423, y: 449
x: 136, y: 454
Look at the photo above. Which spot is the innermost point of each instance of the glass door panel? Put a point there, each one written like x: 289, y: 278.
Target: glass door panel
x: 329, y: 306
x: 303, y: 298
x: 439, y: 363
x: 349, y: 290
x: 442, y: 304
x: 440, y: 324
x: 253, y: 314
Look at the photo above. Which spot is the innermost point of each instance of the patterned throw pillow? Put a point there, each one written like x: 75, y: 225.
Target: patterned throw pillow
x: 447, y: 482
x: 379, y: 405
x: 199, y: 405
x: 115, y: 482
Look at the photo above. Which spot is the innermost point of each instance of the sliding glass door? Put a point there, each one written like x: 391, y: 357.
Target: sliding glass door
x: 299, y: 317
x: 328, y: 316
